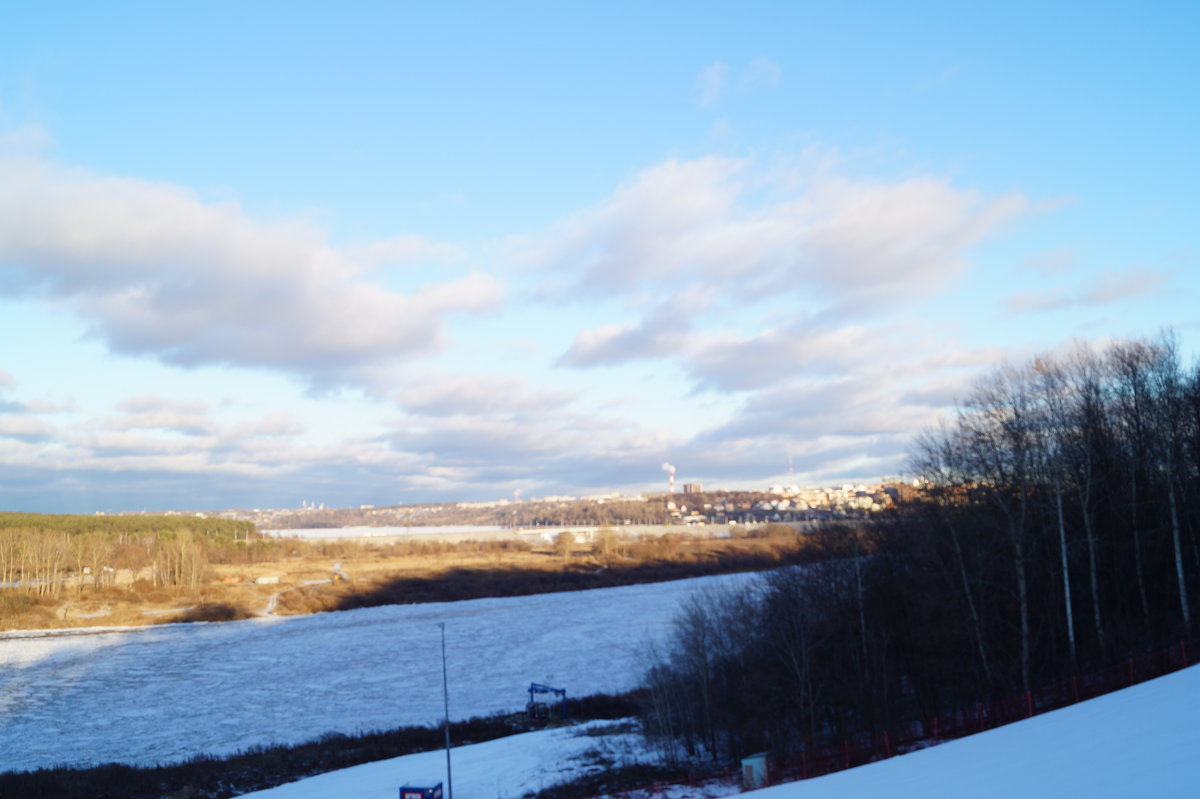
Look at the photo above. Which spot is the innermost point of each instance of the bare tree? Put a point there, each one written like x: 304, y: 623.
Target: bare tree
x: 564, y: 543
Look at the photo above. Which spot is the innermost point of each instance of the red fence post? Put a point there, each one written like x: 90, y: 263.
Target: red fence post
x: 1075, y: 687
x: 804, y: 765
x: 1029, y: 703
x: 887, y: 744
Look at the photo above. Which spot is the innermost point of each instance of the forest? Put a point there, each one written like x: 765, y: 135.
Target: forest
x: 1056, y: 532
x: 41, y: 554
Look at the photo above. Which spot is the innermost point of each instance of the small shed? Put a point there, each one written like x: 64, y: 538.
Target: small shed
x: 421, y: 792
x: 755, y: 772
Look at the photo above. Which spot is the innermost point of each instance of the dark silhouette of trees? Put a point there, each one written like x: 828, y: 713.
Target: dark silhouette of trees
x: 1057, y: 530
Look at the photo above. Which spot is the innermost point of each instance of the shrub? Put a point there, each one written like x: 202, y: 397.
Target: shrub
x: 564, y: 544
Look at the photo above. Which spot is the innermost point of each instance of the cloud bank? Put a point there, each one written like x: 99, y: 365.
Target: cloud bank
x: 155, y: 271
x: 786, y: 293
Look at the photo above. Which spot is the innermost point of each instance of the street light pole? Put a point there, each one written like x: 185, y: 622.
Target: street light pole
x: 446, y: 702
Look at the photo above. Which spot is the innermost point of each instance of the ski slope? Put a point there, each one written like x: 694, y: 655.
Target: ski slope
x: 1142, y: 741
x: 162, y: 694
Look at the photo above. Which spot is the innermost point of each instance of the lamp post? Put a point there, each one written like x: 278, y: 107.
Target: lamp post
x: 446, y: 703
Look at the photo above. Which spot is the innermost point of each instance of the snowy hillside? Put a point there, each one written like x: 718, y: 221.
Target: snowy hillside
x: 503, y: 769
x: 1142, y: 741
x: 162, y: 694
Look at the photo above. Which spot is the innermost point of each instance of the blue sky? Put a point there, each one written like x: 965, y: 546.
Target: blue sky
x: 254, y: 254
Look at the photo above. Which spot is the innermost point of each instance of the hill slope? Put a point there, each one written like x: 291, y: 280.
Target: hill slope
x: 1142, y: 741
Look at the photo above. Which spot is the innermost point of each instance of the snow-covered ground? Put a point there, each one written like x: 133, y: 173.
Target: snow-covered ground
x: 507, y: 768
x: 162, y: 694
x: 1142, y: 741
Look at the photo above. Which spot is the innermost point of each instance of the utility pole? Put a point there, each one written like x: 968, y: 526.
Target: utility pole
x: 446, y: 702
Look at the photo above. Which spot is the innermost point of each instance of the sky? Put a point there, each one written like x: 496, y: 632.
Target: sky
x: 260, y: 254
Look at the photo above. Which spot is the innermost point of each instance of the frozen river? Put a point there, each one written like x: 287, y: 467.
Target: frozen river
x: 162, y: 694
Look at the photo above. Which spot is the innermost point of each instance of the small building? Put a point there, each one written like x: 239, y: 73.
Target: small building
x: 421, y: 792
x: 755, y: 772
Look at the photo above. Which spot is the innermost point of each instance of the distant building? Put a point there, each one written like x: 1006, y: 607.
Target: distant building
x: 693, y: 488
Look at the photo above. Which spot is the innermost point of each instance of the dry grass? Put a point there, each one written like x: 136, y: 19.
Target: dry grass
x: 314, y: 576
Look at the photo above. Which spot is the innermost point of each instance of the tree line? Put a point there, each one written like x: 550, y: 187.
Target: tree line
x: 1056, y: 531
x: 40, y: 553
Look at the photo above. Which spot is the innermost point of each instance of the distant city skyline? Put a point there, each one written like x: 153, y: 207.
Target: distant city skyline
x: 256, y: 254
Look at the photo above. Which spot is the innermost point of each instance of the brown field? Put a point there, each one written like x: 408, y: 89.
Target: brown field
x: 300, y: 576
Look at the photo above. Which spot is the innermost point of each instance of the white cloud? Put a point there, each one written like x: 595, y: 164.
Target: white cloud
x: 158, y: 441
x: 710, y: 83
x: 148, y: 403
x: 1103, y: 289
x: 699, y: 220
x: 146, y: 412
x: 875, y: 242
x: 155, y: 271
x: 25, y: 139
x: 558, y: 449
x: 49, y: 406
x: 665, y: 330
x: 713, y: 82
x: 25, y: 427
x: 482, y: 395
x: 777, y: 354
x: 649, y: 230
x: 761, y: 72
x: 272, y: 425
x: 850, y: 414
x: 724, y: 228
x: 769, y: 287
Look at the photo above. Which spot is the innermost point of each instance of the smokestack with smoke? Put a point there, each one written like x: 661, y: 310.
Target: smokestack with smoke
x: 670, y: 470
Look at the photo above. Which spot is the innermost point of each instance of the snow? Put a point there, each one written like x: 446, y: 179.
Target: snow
x: 162, y: 694
x: 503, y: 769
x: 1142, y: 741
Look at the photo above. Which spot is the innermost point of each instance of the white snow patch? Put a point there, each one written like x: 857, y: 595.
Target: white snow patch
x: 507, y: 768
